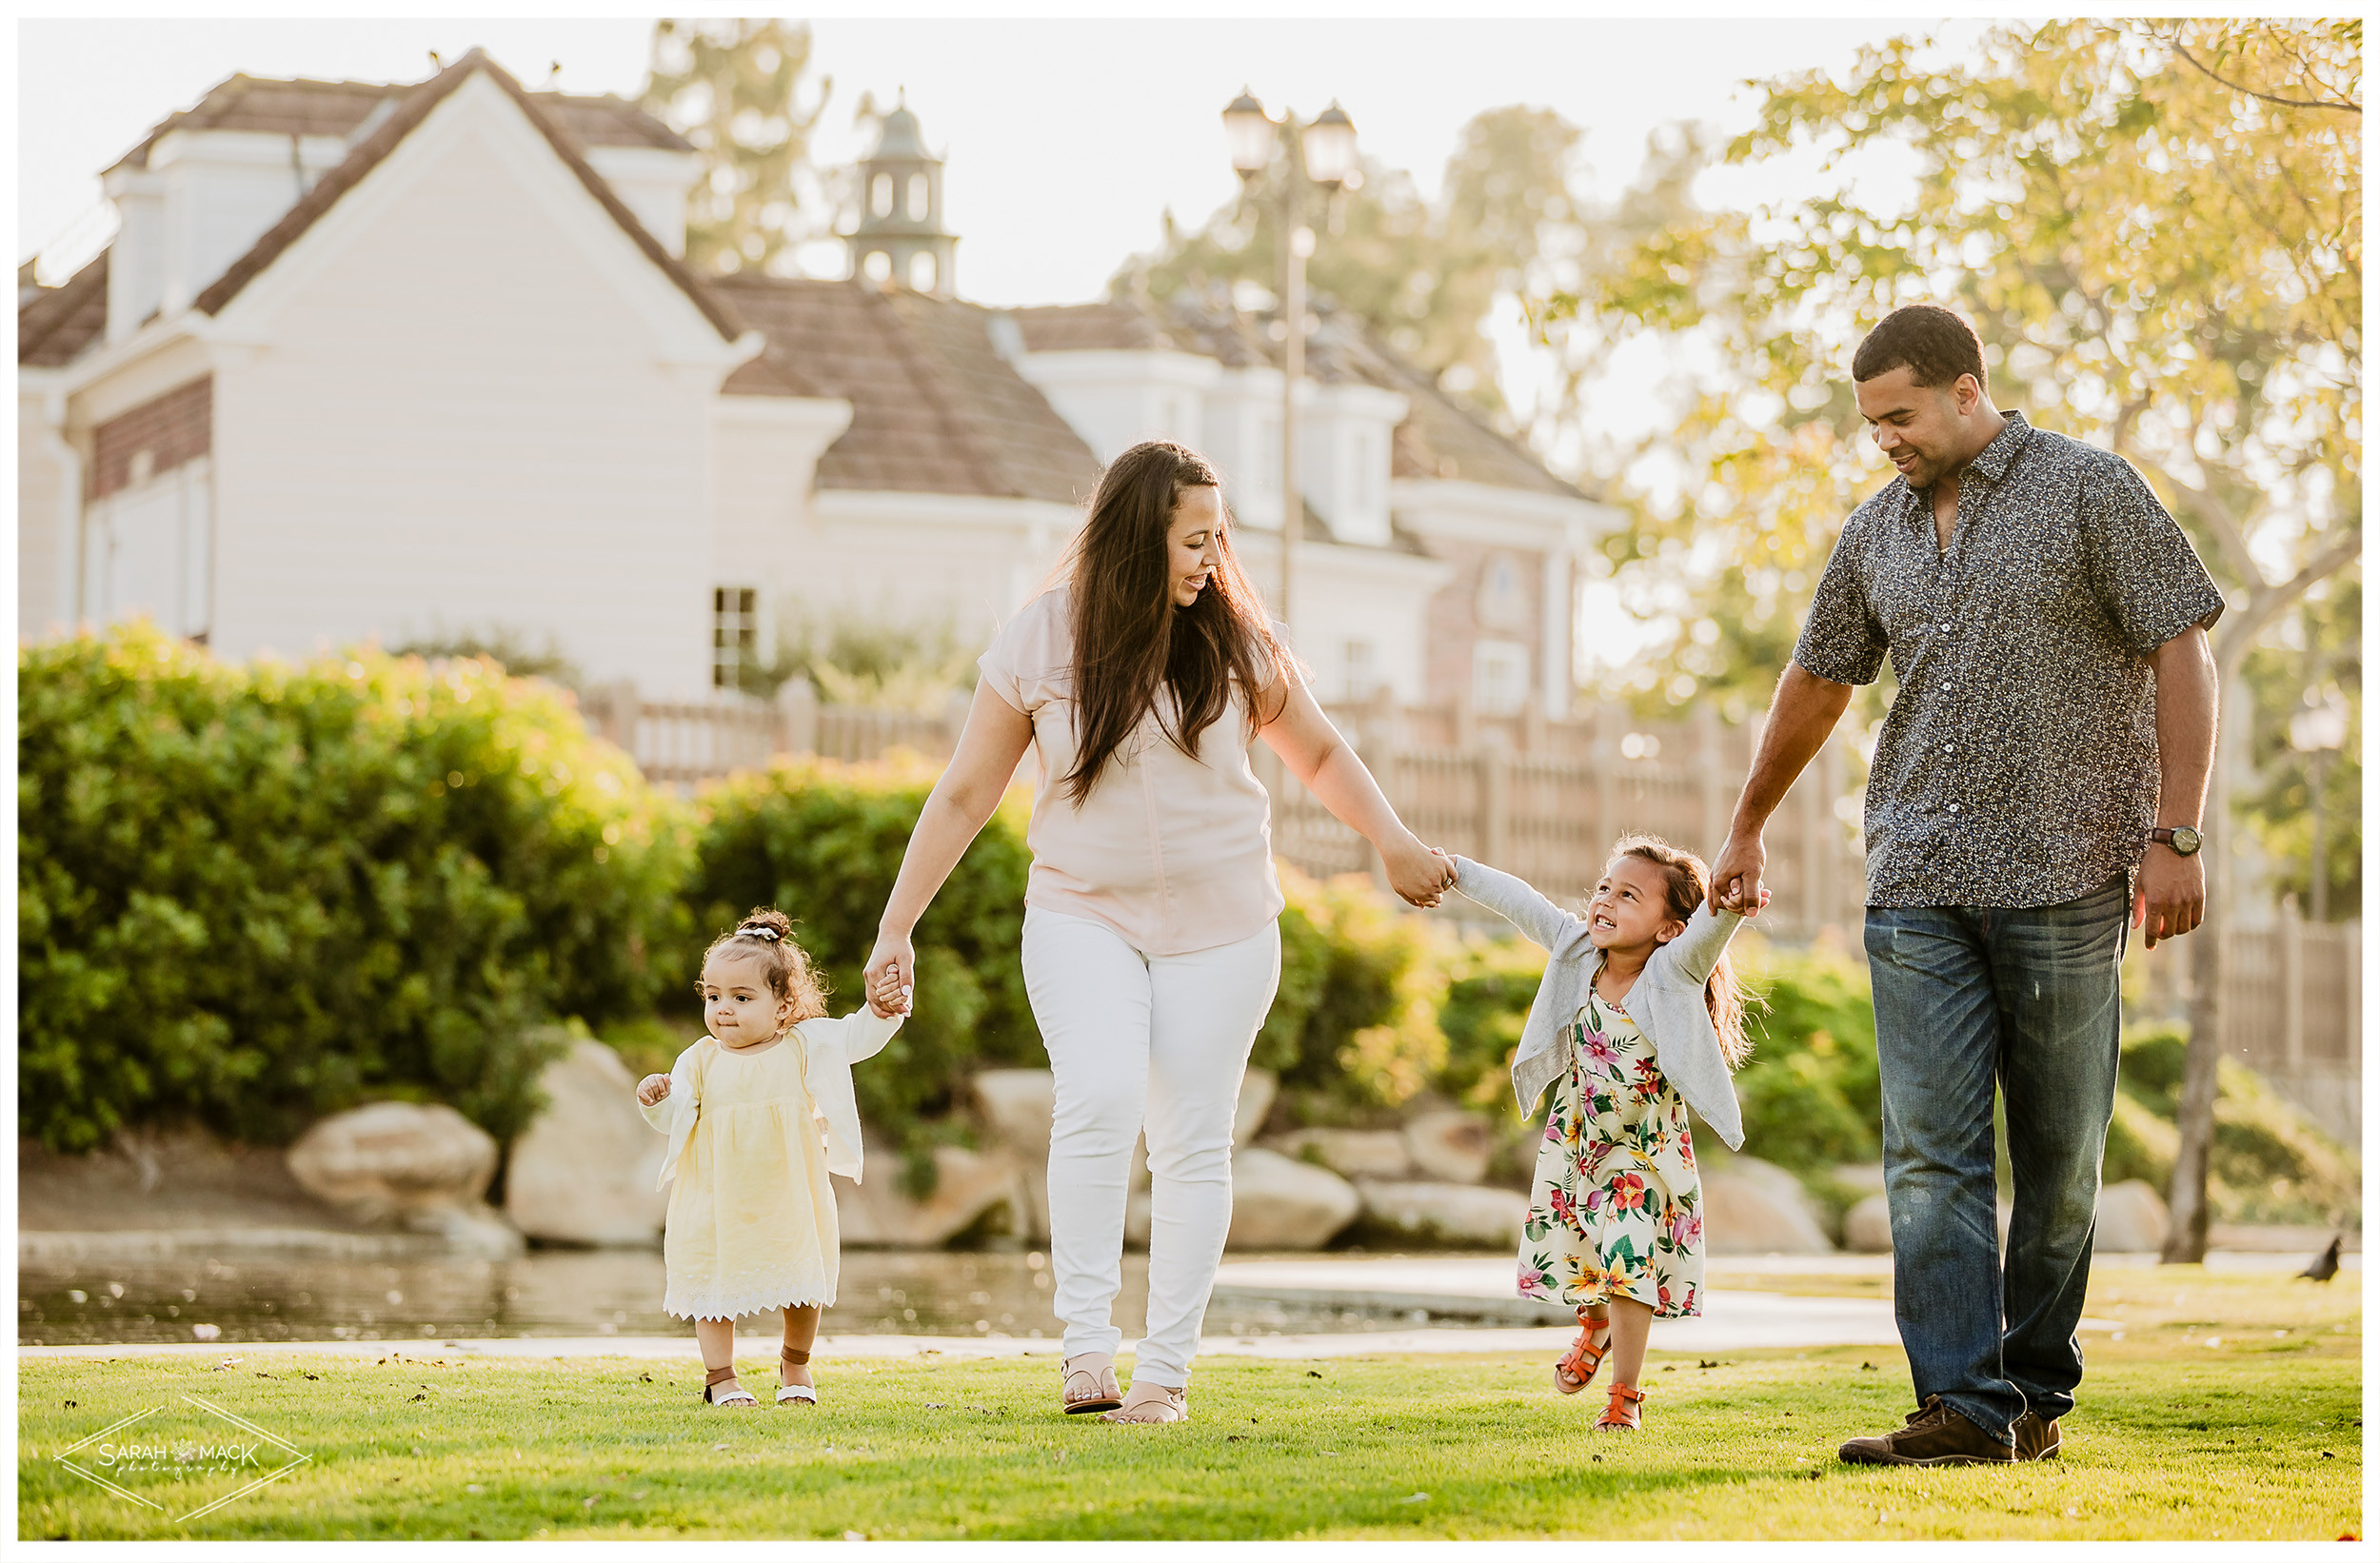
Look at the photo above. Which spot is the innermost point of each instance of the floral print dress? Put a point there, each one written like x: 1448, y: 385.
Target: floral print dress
x: 1615, y: 1208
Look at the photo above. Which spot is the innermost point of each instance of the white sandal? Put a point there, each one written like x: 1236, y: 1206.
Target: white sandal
x: 737, y: 1397
x: 802, y: 1393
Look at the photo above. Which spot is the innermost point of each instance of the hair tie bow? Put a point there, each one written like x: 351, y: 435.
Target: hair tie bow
x: 760, y: 931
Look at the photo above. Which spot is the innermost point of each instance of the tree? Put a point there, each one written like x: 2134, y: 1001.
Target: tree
x: 733, y: 88
x: 1425, y: 277
x: 2156, y: 229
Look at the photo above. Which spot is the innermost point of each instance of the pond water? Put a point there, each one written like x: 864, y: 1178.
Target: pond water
x: 566, y: 1293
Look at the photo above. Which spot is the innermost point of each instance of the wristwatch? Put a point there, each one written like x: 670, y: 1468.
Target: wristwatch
x: 2183, y: 840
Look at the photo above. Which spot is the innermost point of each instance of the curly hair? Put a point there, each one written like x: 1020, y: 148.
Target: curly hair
x: 767, y: 934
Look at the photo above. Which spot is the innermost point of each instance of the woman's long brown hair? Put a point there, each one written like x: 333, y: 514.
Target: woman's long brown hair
x: 1129, y: 637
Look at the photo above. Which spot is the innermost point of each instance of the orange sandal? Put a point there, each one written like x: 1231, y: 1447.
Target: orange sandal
x: 1579, y: 1364
x: 1621, y: 1414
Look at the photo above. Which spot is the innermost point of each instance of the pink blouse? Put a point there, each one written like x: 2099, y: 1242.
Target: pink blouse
x: 1173, y: 853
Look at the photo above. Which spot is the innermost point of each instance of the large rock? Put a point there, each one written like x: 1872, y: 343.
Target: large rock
x: 1277, y: 1203
x: 1350, y: 1153
x: 1444, y: 1214
x: 1868, y: 1226
x: 971, y: 1187
x: 1758, y: 1207
x: 584, y: 1170
x: 1450, y: 1146
x: 1258, y: 1087
x: 1017, y: 1105
x: 2131, y: 1219
x: 392, y: 1158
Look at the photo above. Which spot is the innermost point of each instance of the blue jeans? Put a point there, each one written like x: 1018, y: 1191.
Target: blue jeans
x: 2025, y: 999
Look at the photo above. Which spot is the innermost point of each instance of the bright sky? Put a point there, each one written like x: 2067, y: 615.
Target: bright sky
x: 1067, y: 140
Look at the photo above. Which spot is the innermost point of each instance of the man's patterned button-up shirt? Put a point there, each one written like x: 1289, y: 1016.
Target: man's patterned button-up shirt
x: 2018, y: 765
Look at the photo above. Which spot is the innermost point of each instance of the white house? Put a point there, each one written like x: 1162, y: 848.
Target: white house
x: 408, y: 361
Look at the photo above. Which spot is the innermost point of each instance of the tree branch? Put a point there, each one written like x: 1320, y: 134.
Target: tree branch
x: 2230, y: 535
x: 2176, y: 44
x: 2266, y: 602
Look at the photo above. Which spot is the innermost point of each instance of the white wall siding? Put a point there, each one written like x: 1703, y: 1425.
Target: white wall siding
x: 455, y: 419
x: 45, y: 542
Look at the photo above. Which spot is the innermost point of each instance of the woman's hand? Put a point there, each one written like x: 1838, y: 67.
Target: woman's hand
x: 1415, y: 872
x: 891, y: 974
x: 652, y: 1088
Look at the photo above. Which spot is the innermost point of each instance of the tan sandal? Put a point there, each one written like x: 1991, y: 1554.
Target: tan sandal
x: 1621, y: 1412
x: 1087, y: 1382
x: 1579, y: 1364
x: 798, y: 1393
x: 737, y: 1397
x: 1152, y: 1403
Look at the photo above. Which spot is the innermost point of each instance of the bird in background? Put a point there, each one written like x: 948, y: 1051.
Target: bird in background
x: 2325, y: 1266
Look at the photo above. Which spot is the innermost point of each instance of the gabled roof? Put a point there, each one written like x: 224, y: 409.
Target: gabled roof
x: 54, y: 327
x: 336, y: 109
x: 1439, y: 438
x: 409, y: 111
x: 935, y: 406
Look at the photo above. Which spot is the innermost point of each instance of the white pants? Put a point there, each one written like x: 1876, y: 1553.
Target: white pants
x: 1154, y: 1042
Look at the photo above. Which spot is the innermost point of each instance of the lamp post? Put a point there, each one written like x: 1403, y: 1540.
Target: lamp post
x: 1322, y: 153
x: 2318, y: 732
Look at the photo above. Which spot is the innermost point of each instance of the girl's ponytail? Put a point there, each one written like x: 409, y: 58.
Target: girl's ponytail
x: 1689, y: 883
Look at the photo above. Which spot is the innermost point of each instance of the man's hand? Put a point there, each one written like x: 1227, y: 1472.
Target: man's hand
x: 2171, y: 897
x: 652, y: 1088
x: 1735, y: 876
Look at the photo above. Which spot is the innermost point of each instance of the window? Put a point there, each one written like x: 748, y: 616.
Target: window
x: 1499, y: 676
x: 922, y: 272
x: 1361, y: 678
x: 921, y: 195
x: 878, y: 266
x: 735, y: 635
x: 879, y: 195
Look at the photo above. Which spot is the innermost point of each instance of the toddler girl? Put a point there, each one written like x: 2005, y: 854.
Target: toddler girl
x: 752, y: 1220
x: 1637, y: 1018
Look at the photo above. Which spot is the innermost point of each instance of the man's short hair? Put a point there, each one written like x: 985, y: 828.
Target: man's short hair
x: 1936, y: 346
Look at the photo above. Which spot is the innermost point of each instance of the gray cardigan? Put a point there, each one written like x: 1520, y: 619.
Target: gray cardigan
x: 1667, y: 1002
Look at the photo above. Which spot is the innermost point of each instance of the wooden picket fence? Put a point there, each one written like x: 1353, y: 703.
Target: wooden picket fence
x: 1544, y: 799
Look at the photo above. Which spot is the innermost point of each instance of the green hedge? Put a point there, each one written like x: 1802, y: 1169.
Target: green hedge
x: 822, y: 842
x: 251, y: 895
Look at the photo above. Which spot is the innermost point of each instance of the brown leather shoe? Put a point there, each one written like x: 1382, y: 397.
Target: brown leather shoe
x: 2035, y: 1438
x: 1935, y: 1435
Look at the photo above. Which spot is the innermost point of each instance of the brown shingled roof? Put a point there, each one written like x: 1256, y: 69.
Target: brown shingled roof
x: 336, y: 109
x: 1437, y: 438
x: 935, y: 406
x: 410, y: 110
x: 57, y: 325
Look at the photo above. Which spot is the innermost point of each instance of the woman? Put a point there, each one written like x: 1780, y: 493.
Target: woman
x: 1151, y: 939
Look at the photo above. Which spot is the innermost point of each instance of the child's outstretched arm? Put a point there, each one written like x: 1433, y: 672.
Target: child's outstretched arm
x: 866, y: 1030
x: 1698, y: 949
x: 1539, y: 919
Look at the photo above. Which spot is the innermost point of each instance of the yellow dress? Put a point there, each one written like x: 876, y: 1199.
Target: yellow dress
x: 751, y: 1217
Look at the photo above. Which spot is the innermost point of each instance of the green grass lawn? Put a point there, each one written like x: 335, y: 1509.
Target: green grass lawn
x: 2258, y: 1435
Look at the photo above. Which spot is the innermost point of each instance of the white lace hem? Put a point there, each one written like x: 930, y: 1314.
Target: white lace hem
x: 758, y: 1299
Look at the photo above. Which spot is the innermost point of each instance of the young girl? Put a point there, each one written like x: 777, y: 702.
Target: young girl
x: 1638, y: 1016
x: 752, y: 1220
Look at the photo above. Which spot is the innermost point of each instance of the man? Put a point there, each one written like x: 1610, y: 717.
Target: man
x: 2041, y: 773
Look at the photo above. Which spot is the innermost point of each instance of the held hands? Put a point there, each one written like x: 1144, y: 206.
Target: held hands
x: 1419, y: 874
x: 891, y: 975
x: 652, y: 1088
x: 1736, y: 876
x: 2170, y: 899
